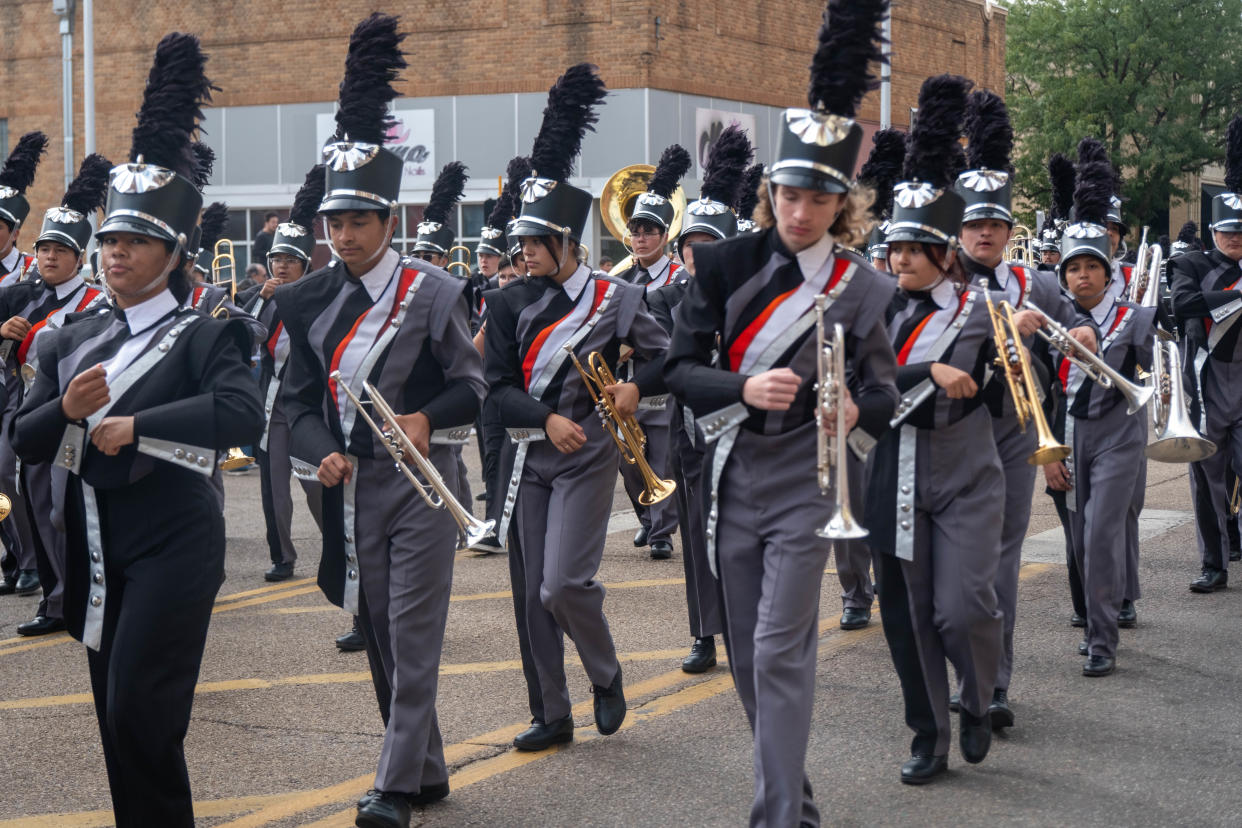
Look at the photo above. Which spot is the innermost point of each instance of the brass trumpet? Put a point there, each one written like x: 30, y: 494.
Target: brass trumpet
x: 1010, y: 357
x: 625, y: 431
x: 6, y: 506
x: 830, y: 396
x: 221, y: 261
x: 434, y: 491
x: 1177, y: 440
x: 463, y: 262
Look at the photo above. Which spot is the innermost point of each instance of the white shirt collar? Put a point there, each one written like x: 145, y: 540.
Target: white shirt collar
x: 142, y: 316
x: 944, y: 294
x: 658, y: 266
x: 1003, y: 273
x: 9, y: 263
x: 574, y: 284
x: 376, y: 279
x: 811, y: 259
x: 1101, y: 311
x: 66, y: 288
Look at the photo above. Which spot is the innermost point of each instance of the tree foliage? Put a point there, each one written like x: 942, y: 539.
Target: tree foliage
x: 1156, y: 80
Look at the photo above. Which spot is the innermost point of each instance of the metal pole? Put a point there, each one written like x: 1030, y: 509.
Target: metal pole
x: 88, y: 74
x: 886, y: 73
x: 66, y: 85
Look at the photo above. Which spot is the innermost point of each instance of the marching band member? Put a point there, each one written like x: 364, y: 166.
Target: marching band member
x: 19, y: 564
x: 1061, y: 179
x: 32, y: 308
x: 755, y: 295
x: 1208, y: 308
x: 560, y: 490
x: 648, y: 229
x: 1107, y: 441
x: 16, y: 176
x: 881, y: 172
x: 133, y: 404
x: 707, y: 219
x: 403, y: 326
x: 288, y: 260
x: 937, y: 486
x: 987, y: 189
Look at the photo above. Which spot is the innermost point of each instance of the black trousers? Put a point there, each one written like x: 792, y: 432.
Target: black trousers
x: 156, y: 613
x: 890, y: 583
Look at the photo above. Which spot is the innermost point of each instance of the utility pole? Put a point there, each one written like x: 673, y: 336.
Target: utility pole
x: 64, y: 10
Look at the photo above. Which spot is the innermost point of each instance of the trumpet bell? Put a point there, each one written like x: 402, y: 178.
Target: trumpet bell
x: 1049, y: 452
x: 1137, y: 396
x: 235, y: 459
x: 476, y: 530
x: 842, y: 526
x: 1180, y: 449
x: 6, y: 506
x: 656, y: 491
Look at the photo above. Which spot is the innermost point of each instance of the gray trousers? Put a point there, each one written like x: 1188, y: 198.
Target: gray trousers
x: 702, y: 589
x: 405, y: 559
x: 1133, y: 591
x: 275, y: 470
x: 47, y: 517
x: 16, y: 531
x: 771, y: 565
x: 1108, y: 454
x: 562, y: 522
x: 660, y: 519
x: 1208, y: 485
x: 853, y: 557
x: 1014, y: 448
x: 953, y: 613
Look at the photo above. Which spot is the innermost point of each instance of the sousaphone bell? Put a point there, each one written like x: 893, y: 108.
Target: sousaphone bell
x: 616, y: 205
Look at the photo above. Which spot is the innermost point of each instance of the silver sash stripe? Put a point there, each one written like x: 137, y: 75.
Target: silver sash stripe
x: 303, y: 470
x: 347, y: 427
x: 545, y: 379
x: 452, y: 436
x: 1071, y: 497
x: 273, y: 388
x: 195, y: 458
x: 725, y: 434
x: 92, y: 630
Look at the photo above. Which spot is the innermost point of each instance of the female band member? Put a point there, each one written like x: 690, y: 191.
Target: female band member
x: 937, y: 485
x: 756, y: 294
x: 134, y: 403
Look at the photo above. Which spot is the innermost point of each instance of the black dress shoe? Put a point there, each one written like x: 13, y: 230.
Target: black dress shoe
x: 41, y: 625
x: 975, y: 738
x: 702, y: 656
x: 7, y: 585
x: 999, y: 711
x: 1235, y: 554
x: 1098, y: 665
x: 955, y: 703
x: 385, y: 809
x: 352, y: 641
x: 488, y: 545
x: 920, y: 769
x: 609, y: 705
x: 27, y: 582
x: 640, y: 537
x: 1082, y: 647
x: 855, y: 618
x: 279, y: 572
x: 429, y: 794
x: 1209, y: 581
x: 1128, y: 617
x: 540, y: 736
x: 1077, y: 620
x: 661, y: 550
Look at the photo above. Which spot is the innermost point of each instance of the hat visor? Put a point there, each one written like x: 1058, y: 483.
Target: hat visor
x: 484, y: 248
x: 1229, y: 225
x: 986, y: 214
x: 808, y: 180
x: 428, y: 247
x: 343, y: 203
x: 1084, y: 250
x: 133, y: 224
x: 524, y: 227
x: 911, y: 234
x: 59, y: 238
x: 288, y: 250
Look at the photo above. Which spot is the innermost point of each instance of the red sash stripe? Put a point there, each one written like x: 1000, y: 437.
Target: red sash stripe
x: 407, y: 277
x: 528, y: 363
x: 275, y: 337
x: 904, y: 354
x: 738, y: 349
x: 24, y: 348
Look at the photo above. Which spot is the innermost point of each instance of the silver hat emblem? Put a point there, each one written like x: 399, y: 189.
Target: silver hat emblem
x: 984, y: 181
x: 706, y: 207
x: 820, y: 128
x: 534, y: 189
x: 1232, y: 200
x: 291, y: 230
x: 915, y: 194
x: 342, y: 156
x: 8, y: 192
x: 491, y: 233
x: 652, y: 200
x: 745, y: 225
x: 63, y: 215
x: 1085, y: 230
x: 139, y: 177
x: 428, y: 227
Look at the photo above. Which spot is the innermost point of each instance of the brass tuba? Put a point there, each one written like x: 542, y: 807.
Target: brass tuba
x: 1010, y: 358
x: 625, y: 431
x: 400, y: 448
x: 1021, y: 247
x: 616, y: 205
x: 1177, y: 440
x: 463, y: 262
x: 830, y: 397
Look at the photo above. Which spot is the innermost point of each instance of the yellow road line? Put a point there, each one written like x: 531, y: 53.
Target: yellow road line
x: 101, y: 819
x: 265, y: 599
x: 25, y: 639
x: 233, y: 596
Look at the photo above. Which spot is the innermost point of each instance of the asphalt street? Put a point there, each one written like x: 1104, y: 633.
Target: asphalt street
x: 286, y: 731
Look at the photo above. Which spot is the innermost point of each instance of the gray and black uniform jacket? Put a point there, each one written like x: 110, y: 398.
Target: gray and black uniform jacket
x: 1208, y: 308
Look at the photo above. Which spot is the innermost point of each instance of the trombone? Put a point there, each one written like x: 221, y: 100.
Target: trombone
x: 1011, y: 357
x: 222, y: 260
x: 463, y: 262
x: 435, y: 491
x: 625, y: 431
x: 1096, y: 369
x: 830, y: 397
x: 1177, y: 440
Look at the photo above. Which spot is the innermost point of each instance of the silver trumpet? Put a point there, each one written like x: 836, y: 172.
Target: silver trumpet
x: 435, y: 491
x: 1096, y: 369
x: 1177, y: 440
x: 830, y: 397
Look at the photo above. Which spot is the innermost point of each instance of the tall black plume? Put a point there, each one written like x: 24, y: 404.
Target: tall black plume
x: 19, y: 169
x: 851, y: 38
x: 450, y: 184
x: 567, y: 117
x: 310, y: 196
x: 1061, y: 176
x: 88, y: 192
x: 1096, y: 183
x: 933, y: 150
x: 988, y: 132
x: 214, y: 221
x: 883, y: 169
x: 726, y: 164
x: 374, y: 62
x: 204, y: 163
x: 177, y: 88
x: 674, y: 162
x: 748, y: 191
x: 1233, y: 155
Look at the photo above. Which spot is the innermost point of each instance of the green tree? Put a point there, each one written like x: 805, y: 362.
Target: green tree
x: 1156, y: 80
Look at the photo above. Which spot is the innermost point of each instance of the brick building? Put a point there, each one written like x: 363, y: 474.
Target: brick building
x: 475, y: 88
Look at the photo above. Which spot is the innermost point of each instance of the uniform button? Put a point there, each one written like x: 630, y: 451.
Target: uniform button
x: 711, y: 533
x: 98, y: 578
x: 508, y: 513
x: 905, y: 401
x: 905, y: 524
x: 905, y: 507
x: 513, y: 481
x: 191, y: 456
x: 905, y: 490
x: 95, y: 556
x: 173, y: 333
x: 351, y: 559
x: 96, y: 601
x: 349, y: 538
x: 179, y: 453
x: 403, y: 305
x: 353, y: 574
x: 396, y: 323
x: 164, y: 346
x: 202, y: 461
